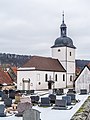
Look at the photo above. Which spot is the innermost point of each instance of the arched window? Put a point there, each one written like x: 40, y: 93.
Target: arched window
x: 46, y: 77
x: 70, y: 54
x: 63, y: 77
x: 56, y: 77
x: 71, y: 78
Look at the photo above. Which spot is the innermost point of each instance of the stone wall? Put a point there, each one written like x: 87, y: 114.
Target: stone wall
x: 84, y: 111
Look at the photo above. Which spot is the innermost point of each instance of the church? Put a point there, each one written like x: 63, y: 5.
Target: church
x: 57, y: 71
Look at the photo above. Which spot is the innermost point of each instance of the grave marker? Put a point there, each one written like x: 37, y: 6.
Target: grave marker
x: 31, y: 114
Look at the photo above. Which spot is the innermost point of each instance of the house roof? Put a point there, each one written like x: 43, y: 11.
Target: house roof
x: 14, y: 70
x: 45, y: 64
x: 5, y: 78
x: 13, y: 73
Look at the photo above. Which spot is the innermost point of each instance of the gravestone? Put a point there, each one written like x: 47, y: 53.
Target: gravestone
x: 5, y: 91
x: 12, y: 94
x: 70, y: 91
x: 32, y: 92
x: 25, y: 99
x: 2, y: 108
x: 68, y: 99
x: 8, y: 102
x: 22, y: 91
x: 17, y: 97
x: 60, y: 104
x: 52, y: 98
x: 54, y: 90
x: 72, y: 95
x: 28, y: 92
x: 21, y: 107
x: 83, y: 91
x: 4, y: 96
x: 45, y: 102
x: 1, y: 92
x: 59, y: 92
x: 31, y: 114
x: 34, y: 99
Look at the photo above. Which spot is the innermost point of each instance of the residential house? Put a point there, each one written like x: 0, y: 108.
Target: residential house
x: 83, y: 79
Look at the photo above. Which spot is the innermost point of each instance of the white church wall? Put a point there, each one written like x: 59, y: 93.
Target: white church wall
x: 37, y: 79
x: 71, y: 67
x: 26, y: 75
x: 70, y: 54
x: 43, y: 84
x: 70, y: 79
x: 59, y: 53
x: 60, y: 83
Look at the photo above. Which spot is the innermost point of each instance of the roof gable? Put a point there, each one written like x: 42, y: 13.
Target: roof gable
x: 45, y: 64
x: 86, y: 66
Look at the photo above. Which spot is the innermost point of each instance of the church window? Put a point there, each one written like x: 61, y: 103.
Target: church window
x: 46, y: 77
x: 70, y: 54
x: 63, y: 77
x: 71, y: 78
x: 56, y: 77
x: 58, y: 50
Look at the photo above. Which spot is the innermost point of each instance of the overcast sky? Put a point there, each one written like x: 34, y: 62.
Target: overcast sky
x: 30, y: 27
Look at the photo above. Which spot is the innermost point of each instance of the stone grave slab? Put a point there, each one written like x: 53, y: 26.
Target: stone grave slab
x: 4, y: 96
x: 34, y: 98
x: 21, y: 107
x: 25, y: 99
x: 52, y: 98
x: 83, y: 91
x: 72, y: 95
x: 60, y: 105
x: 2, y: 108
x: 59, y: 91
x: 12, y: 94
x: 68, y: 99
x: 31, y: 114
x: 8, y: 102
x: 45, y: 102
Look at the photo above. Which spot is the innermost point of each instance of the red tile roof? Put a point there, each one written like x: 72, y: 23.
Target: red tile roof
x: 45, y: 64
x: 14, y: 70
x: 4, y: 78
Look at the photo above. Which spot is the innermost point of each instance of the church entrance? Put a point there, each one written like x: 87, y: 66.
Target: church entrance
x: 50, y: 84
x: 26, y: 84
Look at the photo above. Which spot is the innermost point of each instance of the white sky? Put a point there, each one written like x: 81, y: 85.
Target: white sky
x: 31, y: 26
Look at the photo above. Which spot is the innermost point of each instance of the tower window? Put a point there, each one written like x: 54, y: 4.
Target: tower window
x: 58, y: 50
x: 70, y: 54
x: 63, y: 77
x: 56, y: 77
x: 71, y: 78
x: 46, y: 77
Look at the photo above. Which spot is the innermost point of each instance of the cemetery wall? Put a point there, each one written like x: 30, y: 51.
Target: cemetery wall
x: 84, y: 112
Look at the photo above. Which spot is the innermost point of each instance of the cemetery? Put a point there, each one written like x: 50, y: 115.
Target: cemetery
x: 40, y: 105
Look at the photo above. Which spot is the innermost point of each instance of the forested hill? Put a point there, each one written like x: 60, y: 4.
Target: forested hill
x: 81, y: 63
x: 13, y: 59
x: 19, y: 60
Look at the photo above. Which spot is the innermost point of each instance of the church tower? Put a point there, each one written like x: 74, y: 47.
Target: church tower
x: 64, y: 50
